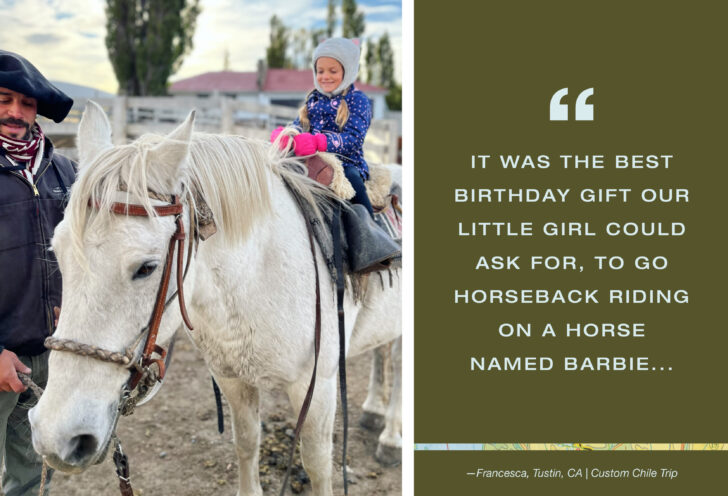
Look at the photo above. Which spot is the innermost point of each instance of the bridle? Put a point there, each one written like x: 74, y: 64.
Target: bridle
x: 150, y: 367
x: 141, y: 368
x: 151, y: 347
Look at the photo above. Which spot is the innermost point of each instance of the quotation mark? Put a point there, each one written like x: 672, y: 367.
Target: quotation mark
x: 560, y: 111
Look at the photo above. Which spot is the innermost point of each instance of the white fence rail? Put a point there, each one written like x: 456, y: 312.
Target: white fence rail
x: 133, y: 116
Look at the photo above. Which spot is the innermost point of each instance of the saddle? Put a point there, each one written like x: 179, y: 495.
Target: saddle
x: 326, y: 169
x: 370, y: 245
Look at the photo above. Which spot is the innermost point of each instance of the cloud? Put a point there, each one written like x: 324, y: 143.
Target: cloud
x: 64, y: 46
x: 43, y: 38
x: 65, y: 39
x: 243, y: 28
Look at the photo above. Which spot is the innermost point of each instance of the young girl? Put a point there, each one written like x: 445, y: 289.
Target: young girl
x: 335, y: 119
x: 336, y: 116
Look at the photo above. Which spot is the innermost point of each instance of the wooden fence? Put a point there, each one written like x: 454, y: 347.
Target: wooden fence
x: 133, y: 116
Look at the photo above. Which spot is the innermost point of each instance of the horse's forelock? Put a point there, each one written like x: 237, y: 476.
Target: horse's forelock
x: 98, y: 184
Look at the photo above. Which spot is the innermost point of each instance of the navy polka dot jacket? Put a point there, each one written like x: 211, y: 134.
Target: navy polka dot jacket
x: 347, y: 142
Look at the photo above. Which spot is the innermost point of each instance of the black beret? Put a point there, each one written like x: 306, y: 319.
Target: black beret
x: 19, y: 75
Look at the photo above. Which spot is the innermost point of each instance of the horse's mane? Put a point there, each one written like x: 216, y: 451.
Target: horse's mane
x: 231, y: 173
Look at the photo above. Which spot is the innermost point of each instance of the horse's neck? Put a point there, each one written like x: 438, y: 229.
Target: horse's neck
x: 273, y: 245
x: 252, y: 297
x: 275, y: 236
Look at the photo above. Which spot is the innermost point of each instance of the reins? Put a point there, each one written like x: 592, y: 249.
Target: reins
x: 37, y: 391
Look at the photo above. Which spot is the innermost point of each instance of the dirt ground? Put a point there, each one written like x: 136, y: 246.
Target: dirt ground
x: 174, y: 447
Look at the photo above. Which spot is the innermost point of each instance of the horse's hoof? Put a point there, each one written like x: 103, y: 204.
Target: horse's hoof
x: 372, y: 421
x: 388, y: 456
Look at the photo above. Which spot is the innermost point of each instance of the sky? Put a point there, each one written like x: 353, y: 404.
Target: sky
x: 64, y: 39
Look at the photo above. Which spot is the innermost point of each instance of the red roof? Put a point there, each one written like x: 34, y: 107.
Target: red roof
x: 276, y: 81
x: 227, y: 81
x: 279, y: 80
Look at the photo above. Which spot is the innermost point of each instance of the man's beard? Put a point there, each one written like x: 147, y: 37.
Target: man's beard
x: 17, y: 122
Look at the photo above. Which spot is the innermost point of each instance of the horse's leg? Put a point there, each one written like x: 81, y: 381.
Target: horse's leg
x: 316, y: 434
x: 378, y: 393
x: 245, y: 410
x: 389, y: 450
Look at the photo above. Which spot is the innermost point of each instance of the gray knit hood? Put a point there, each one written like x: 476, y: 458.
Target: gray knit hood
x: 346, y: 52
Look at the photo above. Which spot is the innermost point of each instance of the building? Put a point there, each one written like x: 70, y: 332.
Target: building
x: 286, y: 87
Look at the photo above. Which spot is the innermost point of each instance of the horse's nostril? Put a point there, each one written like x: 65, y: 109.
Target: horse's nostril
x: 81, y: 447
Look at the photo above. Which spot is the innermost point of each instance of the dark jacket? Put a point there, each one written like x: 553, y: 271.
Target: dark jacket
x: 346, y: 142
x: 30, y: 282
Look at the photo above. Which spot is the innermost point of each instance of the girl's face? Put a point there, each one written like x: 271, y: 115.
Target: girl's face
x: 329, y: 73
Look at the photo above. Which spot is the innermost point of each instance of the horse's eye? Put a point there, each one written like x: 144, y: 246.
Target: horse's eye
x: 145, y: 270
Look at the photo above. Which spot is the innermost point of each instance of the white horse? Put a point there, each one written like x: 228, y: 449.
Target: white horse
x: 249, y: 290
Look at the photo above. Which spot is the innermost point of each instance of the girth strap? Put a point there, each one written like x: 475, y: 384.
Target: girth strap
x: 218, y: 407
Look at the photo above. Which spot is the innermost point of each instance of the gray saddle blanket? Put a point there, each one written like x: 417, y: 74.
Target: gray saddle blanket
x: 388, y: 218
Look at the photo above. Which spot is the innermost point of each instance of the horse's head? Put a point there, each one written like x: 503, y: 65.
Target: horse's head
x: 112, y: 266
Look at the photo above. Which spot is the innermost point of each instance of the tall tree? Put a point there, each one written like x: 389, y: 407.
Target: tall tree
x: 300, y: 48
x: 276, y: 51
x: 352, y: 24
x: 386, y: 61
x: 317, y: 36
x: 331, y: 19
x: 147, y: 41
x: 371, y: 61
x: 394, y: 97
x: 380, y: 70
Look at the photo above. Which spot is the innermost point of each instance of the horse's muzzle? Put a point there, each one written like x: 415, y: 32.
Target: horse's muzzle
x: 71, y: 451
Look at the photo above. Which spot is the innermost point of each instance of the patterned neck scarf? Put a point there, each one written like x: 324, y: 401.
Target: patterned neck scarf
x: 26, y: 151
x: 22, y: 150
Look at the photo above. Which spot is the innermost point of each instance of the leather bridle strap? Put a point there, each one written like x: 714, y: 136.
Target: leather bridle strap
x: 150, y: 347
x: 121, y: 461
x: 174, y: 208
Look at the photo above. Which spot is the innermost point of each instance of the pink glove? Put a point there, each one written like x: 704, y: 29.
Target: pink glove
x: 284, y: 140
x: 308, y: 144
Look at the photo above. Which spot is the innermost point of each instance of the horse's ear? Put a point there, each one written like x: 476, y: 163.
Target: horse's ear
x: 171, y: 153
x: 94, y: 133
x: 184, y: 130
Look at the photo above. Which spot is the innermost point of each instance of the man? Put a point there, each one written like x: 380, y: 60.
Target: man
x: 34, y: 183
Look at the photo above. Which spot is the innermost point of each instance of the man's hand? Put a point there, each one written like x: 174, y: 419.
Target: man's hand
x: 10, y: 365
